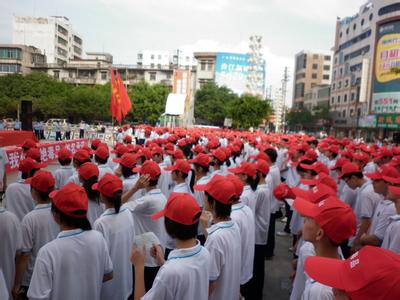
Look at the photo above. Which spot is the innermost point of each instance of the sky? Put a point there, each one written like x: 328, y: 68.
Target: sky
x: 124, y: 27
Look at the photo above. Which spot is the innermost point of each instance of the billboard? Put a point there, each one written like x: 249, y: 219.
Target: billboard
x: 231, y: 70
x: 386, y: 91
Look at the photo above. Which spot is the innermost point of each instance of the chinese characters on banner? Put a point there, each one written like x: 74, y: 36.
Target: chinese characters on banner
x: 48, y: 152
x: 388, y: 121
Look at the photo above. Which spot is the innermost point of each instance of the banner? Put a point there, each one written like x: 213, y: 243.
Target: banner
x: 388, y: 121
x: 48, y: 152
x: 386, y: 91
x: 182, y: 85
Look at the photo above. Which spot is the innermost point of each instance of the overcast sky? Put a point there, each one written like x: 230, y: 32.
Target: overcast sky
x: 123, y: 27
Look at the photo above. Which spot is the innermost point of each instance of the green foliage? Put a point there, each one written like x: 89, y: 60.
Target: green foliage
x: 305, y: 119
x: 213, y: 104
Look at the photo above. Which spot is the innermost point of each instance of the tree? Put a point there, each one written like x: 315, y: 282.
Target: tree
x: 299, y: 119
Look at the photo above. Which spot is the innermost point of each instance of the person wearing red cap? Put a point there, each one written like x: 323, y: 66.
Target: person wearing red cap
x: 179, y: 174
x: 223, y: 238
x: 88, y: 176
x: 18, y: 198
x: 391, y: 239
x: 326, y: 225
x: 142, y: 208
x: 34, y: 153
x: 38, y: 228
x: 127, y: 139
x: 77, y: 262
x: 186, y: 273
x: 129, y: 178
x: 62, y: 174
x: 218, y: 158
x: 371, y: 273
x: 28, y: 144
x: 80, y: 157
x: 10, y: 249
x: 385, y: 208
x: 101, y: 158
x: 165, y: 181
x: 117, y: 227
x: 366, y: 200
x: 3, y: 175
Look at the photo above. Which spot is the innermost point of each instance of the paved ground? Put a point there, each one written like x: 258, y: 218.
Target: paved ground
x: 277, y: 284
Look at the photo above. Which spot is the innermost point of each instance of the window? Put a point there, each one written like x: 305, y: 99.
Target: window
x: 300, y: 76
x: 354, y: 26
x: 315, y: 56
x: 372, y: 15
x: 159, y: 56
x: 358, y: 112
x: 14, y: 53
x: 345, y: 98
x: 334, y: 75
x: 353, y: 96
x: 327, y: 57
x: 355, y: 40
x: 347, y: 31
x: 325, y: 77
x: 338, y: 99
x: 327, y: 67
x: 341, y: 71
x: 153, y: 76
x: 333, y: 87
x: 62, y: 30
x: 332, y: 100
x: 140, y: 56
x: 62, y: 41
x: 152, y: 56
x: 299, y: 90
x: 351, y: 112
x: 210, y: 66
x: 10, y: 68
x: 203, y: 66
x: 339, y: 86
x: 159, y: 66
x: 103, y: 75
x: 152, y: 66
x: 56, y: 74
x: 315, y: 66
x: 362, y: 22
x: 340, y: 34
x: 301, y: 61
x: 358, y: 52
x: 344, y: 114
x: 314, y: 76
x: 335, y: 61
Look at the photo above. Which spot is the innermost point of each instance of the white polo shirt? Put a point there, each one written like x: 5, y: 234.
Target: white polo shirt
x: 3, y: 163
x: 95, y: 210
x: 249, y: 198
x: 244, y: 218
x: 391, y: 240
x: 381, y: 219
x: 185, y: 275
x: 199, y: 195
x: 274, y: 179
x: 71, y: 267
x: 38, y: 228
x: 306, y: 250
x: 262, y: 213
x: 4, y: 291
x: 11, y: 243
x: 317, y: 291
x: 62, y: 175
x: 182, y: 188
x: 74, y: 179
x: 18, y: 199
x: 223, y: 244
x: 347, y: 195
x: 103, y: 170
x: 128, y: 183
x: 118, y: 231
x: 165, y: 182
x: 141, y: 210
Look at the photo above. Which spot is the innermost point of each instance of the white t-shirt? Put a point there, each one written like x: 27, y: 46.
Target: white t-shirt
x: 244, y: 218
x: 392, y: 235
x: 223, y: 244
x: 11, y: 243
x: 165, y: 182
x: 38, y: 228
x: 182, y: 188
x: 74, y: 178
x: 262, y: 213
x: 71, y: 267
x: 317, y: 291
x: 381, y: 219
x: 141, y: 210
x: 249, y: 198
x: 4, y: 291
x: 185, y: 275
x: 18, y: 199
x: 103, y: 170
x: 118, y: 231
x: 347, y: 195
x: 274, y: 179
x: 306, y: 250
x: 62, y: 175
x: 94, y: 210
x: 128, y: 183
x: 199, y: 195
x: 3, y: 163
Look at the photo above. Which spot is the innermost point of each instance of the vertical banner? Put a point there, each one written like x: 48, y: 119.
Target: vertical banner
x: 182, y: 85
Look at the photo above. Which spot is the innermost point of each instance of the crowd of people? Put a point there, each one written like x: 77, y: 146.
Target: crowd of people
x: 211, y: 199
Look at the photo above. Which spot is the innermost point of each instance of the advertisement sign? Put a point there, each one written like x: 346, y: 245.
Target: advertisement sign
x: 231, y: 70
x: 386, y: 92
x: 182, y: 85
x: 388, y: 121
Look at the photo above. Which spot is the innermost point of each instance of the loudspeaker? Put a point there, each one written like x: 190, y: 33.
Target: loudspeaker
x: 396, y: 137
x: 26, y: 115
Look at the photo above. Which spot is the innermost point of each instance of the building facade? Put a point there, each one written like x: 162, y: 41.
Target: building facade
x: 311, y: 69
x: 156, y: 59
x: 317, y: 97
x: 54, y: 36
x: 20, y: 59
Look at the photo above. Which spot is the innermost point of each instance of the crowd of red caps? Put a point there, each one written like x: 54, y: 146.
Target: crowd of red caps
x: 366, y: 273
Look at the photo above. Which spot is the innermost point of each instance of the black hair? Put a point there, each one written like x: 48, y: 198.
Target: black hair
x: 115, y: 200
x: 306, y: 162
x: 359, y: 175
x: 253, y: 182
x: 154, y: 182
x: 82, y: 223
x: 228, y: 162
x: 206, y: 169
x: 65, y: 162
x: 43, y: 195
x: 180, y: 231
x: 100, y: 160
x: 126, y: 172
x: 79, y: 163
x: 192, y: 180
x: 187, y: 150
x: 272, y: 154
x: 301, y: 151
x: 221, y: 210
x: 87, y: 185
x: 334, y: 155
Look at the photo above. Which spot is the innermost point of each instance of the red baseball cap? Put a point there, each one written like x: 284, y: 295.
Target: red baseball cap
x: 334, y: 149
x: 181, y: 208
x: 87, y: 149
x: 102, y: 152
x: 219, y: 155
x: 394, y: 190
x: 28, y: 164
x: 384, y: 171
x: 201, y: 159
x: 237, y: 183
x: 120, y: 150
x: 361, y: 157
x: 371, y: 273
x: 395, y: 161
x: 177, y: 154
x: 315, y: 194
x: 64, y: 154
x: 283, y: 191
x: 336, y: 218
x: 317, y: 167
x: 127, y: 160
x: 157, y: 150
x: 321, y: 178
x: 198, y: 149
x: 127, y: 139
x: 88, y: 170
x: 180, y: 165
x: 220, y: 188
x: 349, y: 168
x: 42, y: 181
x: 261, y: 155
x: 149, y: 167
x: 96, y: 143
x: 340, y: 162
x: 262, y: 166
x: 71, y: 200
x: 81, y: 155
x: 34, y: 153
x: 245, y: 168
x: 383, y: 152
x: 28, y: 144
x: 108, y: 185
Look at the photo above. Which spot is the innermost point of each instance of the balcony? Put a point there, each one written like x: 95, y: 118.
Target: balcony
x: 80, y: 80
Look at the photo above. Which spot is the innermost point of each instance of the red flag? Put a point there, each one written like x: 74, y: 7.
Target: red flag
x: 120, y: 104
x: 126, y: 103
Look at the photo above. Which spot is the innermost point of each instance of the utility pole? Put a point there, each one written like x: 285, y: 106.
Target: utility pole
x: 285, y: 81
